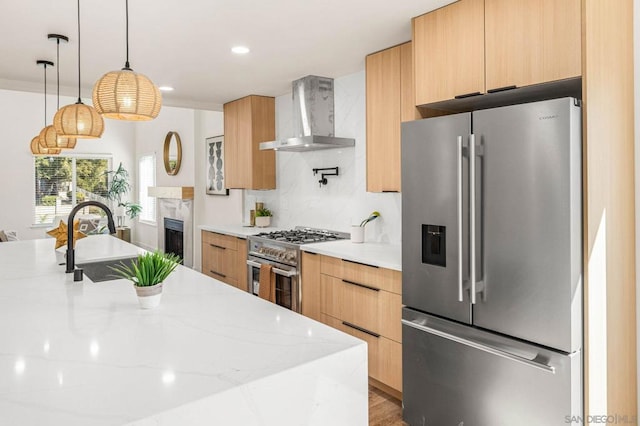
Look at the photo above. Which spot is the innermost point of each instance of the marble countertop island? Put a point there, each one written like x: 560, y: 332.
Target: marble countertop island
x: 83, y: 353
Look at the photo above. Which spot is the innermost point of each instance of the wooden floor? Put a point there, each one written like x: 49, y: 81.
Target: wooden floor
x: 384, y: 410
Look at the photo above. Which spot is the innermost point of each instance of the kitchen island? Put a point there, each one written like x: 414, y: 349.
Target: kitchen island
x: 83, y: 353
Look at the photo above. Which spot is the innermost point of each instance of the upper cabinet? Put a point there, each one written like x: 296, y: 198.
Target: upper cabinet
x: 247, y: 122
x: 448, y: 45
x: 473, y: 47
x: 390, y: 100
x: 531, y: 41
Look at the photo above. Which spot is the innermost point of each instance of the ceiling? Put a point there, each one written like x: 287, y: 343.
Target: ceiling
x: 186, y: 44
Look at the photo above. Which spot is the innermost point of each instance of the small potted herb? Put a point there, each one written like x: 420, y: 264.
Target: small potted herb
x: 263, y: 217
x: 148, y: 273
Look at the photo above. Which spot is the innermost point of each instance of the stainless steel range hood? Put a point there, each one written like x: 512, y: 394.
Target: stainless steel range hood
x: 312, y: 118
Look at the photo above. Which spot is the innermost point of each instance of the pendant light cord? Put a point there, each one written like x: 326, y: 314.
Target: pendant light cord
x: 45, y: 95
x: 58, y: 70
x: 79, y: 99
x: 126, y: 64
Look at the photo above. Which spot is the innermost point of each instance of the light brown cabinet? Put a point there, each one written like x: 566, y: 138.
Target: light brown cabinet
x: 310, y: 285
x: 531, y: 41
x: 361, y: 300
x: 224, y: 258
x: 390, y: 100
x: 448, y: 48
x: 479, y: 46
x: 248, y: 122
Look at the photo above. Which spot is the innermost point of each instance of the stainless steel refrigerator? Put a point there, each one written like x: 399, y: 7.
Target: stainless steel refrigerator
x: 492, y: 266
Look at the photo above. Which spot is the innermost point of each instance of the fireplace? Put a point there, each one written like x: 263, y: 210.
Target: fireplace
x: 175, y: 221
x: 174, y: 237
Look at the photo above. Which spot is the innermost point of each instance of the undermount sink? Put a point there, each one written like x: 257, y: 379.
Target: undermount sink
x: 100, y: 271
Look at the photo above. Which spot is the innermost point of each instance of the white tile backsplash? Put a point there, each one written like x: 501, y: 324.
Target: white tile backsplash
x: 299, y: 199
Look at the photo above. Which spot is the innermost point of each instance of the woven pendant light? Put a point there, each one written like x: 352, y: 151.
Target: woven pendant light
x: 125, y: 94
x: 49, y: 138
x: 36, y: 148
x: 78, y: 120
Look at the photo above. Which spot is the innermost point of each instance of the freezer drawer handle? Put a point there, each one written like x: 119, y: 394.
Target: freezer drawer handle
x: 276, y: 271
x: 361, y: 285
x: 485, y: 348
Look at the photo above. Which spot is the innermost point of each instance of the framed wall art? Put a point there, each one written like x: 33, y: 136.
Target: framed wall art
x: 215, y: 166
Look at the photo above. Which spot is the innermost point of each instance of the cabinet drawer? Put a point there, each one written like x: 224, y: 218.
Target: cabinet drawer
x: 220, y: 263
x: 219, y: 240
x: 331, y: 266
x: 372, y: 276
x: 384, y: 355
x: 376, y: 310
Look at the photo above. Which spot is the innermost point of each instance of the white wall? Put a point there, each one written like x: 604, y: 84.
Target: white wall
x: 210, y: 209
x: 149, y: 138
x: 299, y: 200
x: 193, y: 126
x: 22, y: 117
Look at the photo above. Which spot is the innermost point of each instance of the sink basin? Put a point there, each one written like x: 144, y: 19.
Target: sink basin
x: 99, y: 271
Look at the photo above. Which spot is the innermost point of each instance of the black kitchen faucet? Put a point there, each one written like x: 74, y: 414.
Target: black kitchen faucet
x: 71, y: 264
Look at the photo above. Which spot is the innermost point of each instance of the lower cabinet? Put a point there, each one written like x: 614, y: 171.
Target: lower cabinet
x: 224, y: 258
x: 385, y: 355
x: 364, y: 301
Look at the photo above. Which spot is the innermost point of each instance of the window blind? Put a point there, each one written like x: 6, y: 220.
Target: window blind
x: 60, y: 182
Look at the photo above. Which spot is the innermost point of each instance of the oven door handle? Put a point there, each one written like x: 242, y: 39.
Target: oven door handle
x: 277, y: 271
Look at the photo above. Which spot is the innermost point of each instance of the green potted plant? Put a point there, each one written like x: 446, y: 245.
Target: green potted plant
x: 119, y: 187
x: 148, y: 273
x: 263, y: 217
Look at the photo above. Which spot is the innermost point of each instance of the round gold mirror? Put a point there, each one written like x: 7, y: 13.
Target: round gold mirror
x: 172, y: 153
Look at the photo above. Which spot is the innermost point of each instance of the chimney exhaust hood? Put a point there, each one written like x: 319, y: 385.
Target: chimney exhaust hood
x: 312, y: 118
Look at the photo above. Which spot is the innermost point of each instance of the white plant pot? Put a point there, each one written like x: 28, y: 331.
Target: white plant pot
x: 357, y: 234
x: 149, y: 297
x: 263, y: 221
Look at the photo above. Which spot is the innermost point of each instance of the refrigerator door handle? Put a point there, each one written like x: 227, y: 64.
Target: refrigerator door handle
x: 472, y: 216
x: 459, y: 214
x: 477, y: 345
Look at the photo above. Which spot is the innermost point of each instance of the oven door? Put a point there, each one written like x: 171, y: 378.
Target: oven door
x: 286, y: 282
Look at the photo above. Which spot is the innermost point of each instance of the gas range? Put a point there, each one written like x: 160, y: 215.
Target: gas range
x: 284, y: 246
x: 281, y: 251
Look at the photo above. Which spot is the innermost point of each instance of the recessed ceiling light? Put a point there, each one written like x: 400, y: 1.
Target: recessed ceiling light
x: 240, y: 50
x: 166, y: 88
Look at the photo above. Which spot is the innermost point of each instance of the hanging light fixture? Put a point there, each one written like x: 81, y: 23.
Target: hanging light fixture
x: 78, y: 120
x: 125, y: 94
x: 49, y: 138
x: 36, y: 149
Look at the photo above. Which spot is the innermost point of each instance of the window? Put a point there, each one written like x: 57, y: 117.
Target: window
x: 147, y: 178
x: 57, y: 177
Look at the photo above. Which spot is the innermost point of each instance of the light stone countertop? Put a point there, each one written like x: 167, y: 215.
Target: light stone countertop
x: 86, y: 354
x: 378, y: 254
x: 240, y: 231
